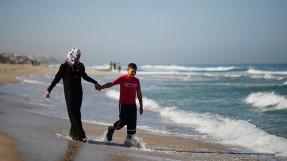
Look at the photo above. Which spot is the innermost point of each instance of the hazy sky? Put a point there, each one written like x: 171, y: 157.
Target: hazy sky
x: 148, y: 31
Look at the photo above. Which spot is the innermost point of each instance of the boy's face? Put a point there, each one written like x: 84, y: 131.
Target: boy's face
x: 132, y: 72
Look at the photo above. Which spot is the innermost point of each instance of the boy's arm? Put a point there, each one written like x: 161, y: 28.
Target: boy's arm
x: 139, y: 94
x: 88, y: 78
x: 107, y: 85
x: 110, y: 84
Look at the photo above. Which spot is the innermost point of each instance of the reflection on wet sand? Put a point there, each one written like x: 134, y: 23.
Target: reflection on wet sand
x: 72, y: 151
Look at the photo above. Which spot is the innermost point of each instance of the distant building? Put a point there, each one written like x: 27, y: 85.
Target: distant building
x: 11, y: 58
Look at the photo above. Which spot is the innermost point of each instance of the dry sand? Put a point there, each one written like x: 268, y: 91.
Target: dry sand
x: 9, y: 72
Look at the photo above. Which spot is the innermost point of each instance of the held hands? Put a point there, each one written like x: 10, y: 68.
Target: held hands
x: 98, y: 87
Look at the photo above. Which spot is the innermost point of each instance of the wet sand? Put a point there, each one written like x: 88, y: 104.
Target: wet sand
x: 36, y: 138
x: 7, y: 149
x: 26, y: 135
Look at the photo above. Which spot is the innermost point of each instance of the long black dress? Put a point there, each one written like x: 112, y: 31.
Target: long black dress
x: 73, y: 94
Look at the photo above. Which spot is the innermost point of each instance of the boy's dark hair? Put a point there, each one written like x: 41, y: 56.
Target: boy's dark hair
x: 133, y: 66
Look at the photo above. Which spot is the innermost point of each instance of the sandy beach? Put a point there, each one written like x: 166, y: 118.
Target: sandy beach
x: 9, y: 72
x: 7, y: 149
x: 26, y: 135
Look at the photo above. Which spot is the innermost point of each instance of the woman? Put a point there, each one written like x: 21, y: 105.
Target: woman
x: 71, y: 72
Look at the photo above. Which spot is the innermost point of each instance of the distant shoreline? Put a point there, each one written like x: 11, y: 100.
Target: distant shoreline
x: 9, y: 72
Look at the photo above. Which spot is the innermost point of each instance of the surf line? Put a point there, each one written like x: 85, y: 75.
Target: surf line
x: 100, y: 142
x: 209, y: 152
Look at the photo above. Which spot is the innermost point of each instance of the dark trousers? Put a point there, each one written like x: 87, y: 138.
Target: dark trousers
x: 74, y: 111
x: 128, y: 116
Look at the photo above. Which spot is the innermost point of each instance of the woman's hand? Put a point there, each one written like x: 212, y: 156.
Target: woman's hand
x: 47, y: 94
x: 98, y: 87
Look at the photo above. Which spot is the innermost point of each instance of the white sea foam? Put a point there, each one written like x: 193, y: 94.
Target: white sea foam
x: 161, y: 73
x: 40, y: 104
x: 190, y: 75
x: 167, y: 73
x: 266, y: 100
x: 101, y: 67
x: 186, y: 68
x: 225, y: 130
x: 232, y: 75
x: 31, y: 81
x: 285, y: 83
x: 256, y: 71
x: 269, y: 76
x: 265, y: 76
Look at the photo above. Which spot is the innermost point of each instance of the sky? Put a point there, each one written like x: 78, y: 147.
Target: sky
x: 148, y: 31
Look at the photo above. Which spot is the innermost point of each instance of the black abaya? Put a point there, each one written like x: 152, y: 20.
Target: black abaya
x: 73, y: 94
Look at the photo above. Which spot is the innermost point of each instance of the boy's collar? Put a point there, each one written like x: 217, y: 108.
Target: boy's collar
x: 130, y: 76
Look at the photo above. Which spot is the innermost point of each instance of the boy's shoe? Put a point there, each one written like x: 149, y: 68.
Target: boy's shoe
x: 129, y: 137
x: 110, y: 133
x: 129, y: 141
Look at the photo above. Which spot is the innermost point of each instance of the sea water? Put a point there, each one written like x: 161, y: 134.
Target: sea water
x: 239, y: 105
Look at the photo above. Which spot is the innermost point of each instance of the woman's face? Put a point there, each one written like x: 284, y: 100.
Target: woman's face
x: 77, y: 58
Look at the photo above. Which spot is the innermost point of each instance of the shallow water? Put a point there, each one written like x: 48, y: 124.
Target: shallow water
x: 241, y: 105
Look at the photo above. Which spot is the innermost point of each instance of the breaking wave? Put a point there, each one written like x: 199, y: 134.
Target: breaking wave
x: 256, y: 71
x: 223, y: 129
x: 186, y: 68
x: 266, y: 100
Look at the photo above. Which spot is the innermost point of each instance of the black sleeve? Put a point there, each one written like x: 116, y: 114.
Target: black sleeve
x: 57, y: 78
x: 85, y: 75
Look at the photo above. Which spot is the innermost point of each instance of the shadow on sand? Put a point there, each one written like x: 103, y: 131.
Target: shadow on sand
x: 99, y: 142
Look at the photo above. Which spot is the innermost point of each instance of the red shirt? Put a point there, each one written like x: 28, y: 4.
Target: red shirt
x: 128, y: 88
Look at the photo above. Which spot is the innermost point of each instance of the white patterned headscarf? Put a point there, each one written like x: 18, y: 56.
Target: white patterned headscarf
x: 73, y: 55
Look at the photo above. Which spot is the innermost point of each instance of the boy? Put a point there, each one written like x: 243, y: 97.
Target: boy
x: 129, y: 88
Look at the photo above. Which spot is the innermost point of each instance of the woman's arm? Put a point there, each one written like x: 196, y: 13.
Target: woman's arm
x: 88, y: 78
x: 85, y: 75
x: 56, y: 80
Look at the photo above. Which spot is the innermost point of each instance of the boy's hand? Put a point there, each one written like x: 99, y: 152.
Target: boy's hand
x: 98, y: 87
x: 47, y: 94
x: 141, y: 110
